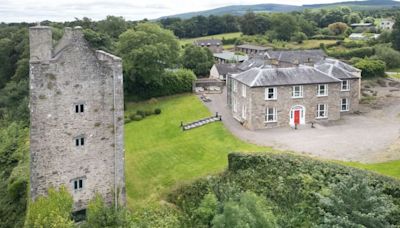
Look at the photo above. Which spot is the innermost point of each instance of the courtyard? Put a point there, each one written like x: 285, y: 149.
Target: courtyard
x: 370, y: 136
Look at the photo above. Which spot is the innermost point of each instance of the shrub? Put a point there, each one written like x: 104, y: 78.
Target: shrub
x: 137, y: 117
x: 371, y: 68
x: 387, y: 54
x: 356, y: 52
x: 141, y: 113
x: 326, y: 37
x: 157, y: 111
x: 369, y: 207
x: 51, y: 211
x: 173, y: 82
x: 299, y: 37
x: 149, y: 112
x: 100, y: 215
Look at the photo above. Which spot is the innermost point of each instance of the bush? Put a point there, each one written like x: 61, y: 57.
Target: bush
x: 136, y: 117
x: 292, y: 186
x: 371, y: 68
x: 148, y: 112
x: 141, y: 113
x: 387, y: 54
x: 51, y: 211
x: 173, y: 82
x: 157, y: 111
x: 299, y: 37
x: 326, y: 37
x: 100, y: 215
x: 356, y: 52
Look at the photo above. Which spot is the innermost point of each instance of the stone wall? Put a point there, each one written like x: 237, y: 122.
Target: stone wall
x: 75, y: 74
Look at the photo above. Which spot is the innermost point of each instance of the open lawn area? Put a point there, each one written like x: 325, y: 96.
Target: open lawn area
x: 218, y: 36
x: 159, y: 155
x: 307, y: 44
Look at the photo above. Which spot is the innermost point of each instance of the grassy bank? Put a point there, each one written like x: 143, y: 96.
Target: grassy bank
x: 159, y: 154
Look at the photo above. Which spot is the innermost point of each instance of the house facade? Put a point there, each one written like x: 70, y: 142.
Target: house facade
x: 386, y: 24
x: 274, y: 96
x: 221, y: 70
x: 76, y: 117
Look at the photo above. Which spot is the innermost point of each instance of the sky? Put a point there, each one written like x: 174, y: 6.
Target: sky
x: 68, y: 10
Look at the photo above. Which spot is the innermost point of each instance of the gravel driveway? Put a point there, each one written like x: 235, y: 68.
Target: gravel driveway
x: 372, y: 136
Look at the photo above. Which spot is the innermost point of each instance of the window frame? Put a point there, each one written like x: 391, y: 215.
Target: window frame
x: 301, y: 93
x: 244, y: 90
x: 274, y: 91
x: 78, y: 184
x: 347, y: 85
x: 79, y: 141
x: 347, y: 105
x: 244, y: 112
x: 274, y: 115
x: 234, y: 104
x: 234, y: 85
x: 319, y: 94
x: 79, y: 108
x: 325, y: 111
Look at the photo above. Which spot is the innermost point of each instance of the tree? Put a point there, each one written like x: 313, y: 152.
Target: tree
x: 353, y: 18
x: 6, y: 63
x: 100, y: 215
x: 354, y: 203
x: 284, y: 25
x: 387, y: 54
x: 112, y: 26
x: 338, y: 28
x: 371, y: 68
x: 250, y: 211
x: 248, y: 24
x: 299, y: 37
x: 396, y: 34
x: 198, y: 59
x: 51, y: 211
x: 147, y: 50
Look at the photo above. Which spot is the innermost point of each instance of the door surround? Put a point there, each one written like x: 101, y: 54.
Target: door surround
x: 302, y: 111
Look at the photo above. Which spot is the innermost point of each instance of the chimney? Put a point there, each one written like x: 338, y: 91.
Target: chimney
x: 40, y: 43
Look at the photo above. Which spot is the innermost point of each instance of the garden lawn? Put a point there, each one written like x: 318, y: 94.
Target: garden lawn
x: 160, y: 155
x: 218, y: 36
x: 387, y: 168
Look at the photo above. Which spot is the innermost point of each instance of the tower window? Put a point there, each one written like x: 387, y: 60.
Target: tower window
x: 78, y: 184
x: 79, y: 108
x: 80, y: 141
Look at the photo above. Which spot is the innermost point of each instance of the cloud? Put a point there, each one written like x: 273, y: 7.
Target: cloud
x: 66, y: 10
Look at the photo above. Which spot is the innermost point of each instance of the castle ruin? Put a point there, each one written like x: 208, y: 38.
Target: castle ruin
x: 77, y: 118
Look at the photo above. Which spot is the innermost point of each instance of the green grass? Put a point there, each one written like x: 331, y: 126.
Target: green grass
x: 394, y: 70
x: 159, y: 154
x: 218, y: 36
x: 309, y: 44
x: 387, y: 168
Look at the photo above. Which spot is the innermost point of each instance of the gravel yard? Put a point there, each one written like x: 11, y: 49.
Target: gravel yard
x: 371, y: 136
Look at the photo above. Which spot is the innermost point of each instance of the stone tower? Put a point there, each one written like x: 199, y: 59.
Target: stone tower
x: 77, y: 118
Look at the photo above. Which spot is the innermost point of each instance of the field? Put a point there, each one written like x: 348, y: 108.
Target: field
x: 219, y: 36
x: 159, y: 155
x: 307, y: 44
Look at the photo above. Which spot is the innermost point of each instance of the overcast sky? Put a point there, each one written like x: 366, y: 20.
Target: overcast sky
x: 67, y: 10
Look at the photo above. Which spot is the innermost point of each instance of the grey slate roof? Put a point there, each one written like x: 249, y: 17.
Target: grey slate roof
x: 298, y: 56
x: 210, y: 42
x: 301, y: 75
x: 255, y: 62
x: 226, y: 68
x: 231, y: 56
x: 337, y: 69
x: 254, y: 47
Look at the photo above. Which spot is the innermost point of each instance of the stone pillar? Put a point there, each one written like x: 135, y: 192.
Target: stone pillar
x: 40, y: 43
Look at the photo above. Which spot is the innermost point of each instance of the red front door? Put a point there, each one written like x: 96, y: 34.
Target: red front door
x: 297, y: 117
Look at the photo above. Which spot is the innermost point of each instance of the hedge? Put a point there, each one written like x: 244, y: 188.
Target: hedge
x: 356, y: 52
x: 172, y: 82
x: 371, y: 68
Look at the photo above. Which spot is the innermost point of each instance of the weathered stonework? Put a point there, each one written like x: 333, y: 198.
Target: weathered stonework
x: 61, y: 77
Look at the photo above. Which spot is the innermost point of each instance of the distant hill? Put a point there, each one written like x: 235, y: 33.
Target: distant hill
x: 242, y: 9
